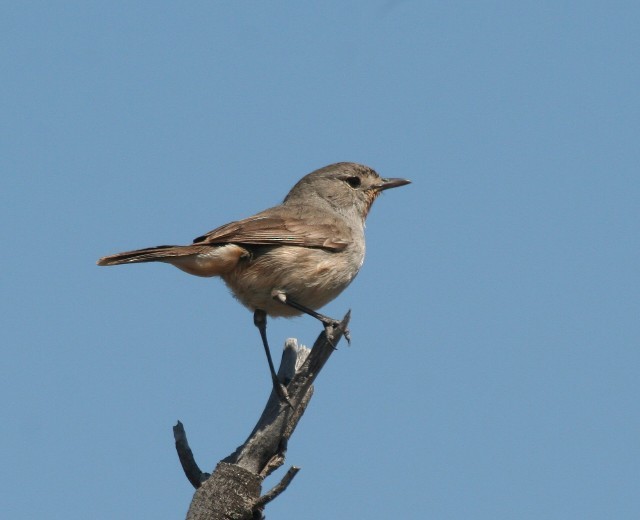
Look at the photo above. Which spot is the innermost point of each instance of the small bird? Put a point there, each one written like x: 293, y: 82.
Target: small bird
x: 290, y: 259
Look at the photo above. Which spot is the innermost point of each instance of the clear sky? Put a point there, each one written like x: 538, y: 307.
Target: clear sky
x: 494, y: 368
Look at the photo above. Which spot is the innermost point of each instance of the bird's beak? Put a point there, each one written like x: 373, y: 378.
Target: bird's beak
x: 391, y: 183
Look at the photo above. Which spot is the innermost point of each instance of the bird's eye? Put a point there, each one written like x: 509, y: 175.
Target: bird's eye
x: 354, y: 182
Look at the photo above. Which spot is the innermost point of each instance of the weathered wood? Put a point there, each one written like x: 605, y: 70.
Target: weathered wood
x: 230, y: 492
x: 233, y: 489
x: 278, y: 489
x: 194, y: 474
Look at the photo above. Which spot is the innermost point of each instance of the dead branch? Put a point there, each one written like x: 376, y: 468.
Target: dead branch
x: 233, y: 489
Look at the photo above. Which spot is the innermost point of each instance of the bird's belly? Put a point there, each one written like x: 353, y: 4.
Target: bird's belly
x: 310, y: 277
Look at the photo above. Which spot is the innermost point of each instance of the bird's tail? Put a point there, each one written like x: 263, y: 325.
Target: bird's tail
x: 150, y: 254
x: 196, y: 259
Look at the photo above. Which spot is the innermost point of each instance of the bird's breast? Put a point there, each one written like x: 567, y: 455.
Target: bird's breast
x: 310, y: 276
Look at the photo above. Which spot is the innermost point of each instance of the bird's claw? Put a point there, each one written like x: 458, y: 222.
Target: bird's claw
x: 281, y: 390
x: 329, y: 329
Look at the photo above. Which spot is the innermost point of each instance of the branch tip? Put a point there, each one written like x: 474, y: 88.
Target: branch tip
x: 191, y: 470
x: 275, y: 491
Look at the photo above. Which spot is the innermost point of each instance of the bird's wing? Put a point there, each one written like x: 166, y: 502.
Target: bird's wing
x: 274, y: 228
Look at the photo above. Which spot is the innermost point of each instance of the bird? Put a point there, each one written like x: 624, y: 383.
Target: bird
x: 290, y: 259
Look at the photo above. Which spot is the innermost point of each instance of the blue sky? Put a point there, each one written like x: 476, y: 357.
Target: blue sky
x: 493, y: 372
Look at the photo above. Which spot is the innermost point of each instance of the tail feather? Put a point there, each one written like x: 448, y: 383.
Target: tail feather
x: 199, y: 260
x: 150, y: 254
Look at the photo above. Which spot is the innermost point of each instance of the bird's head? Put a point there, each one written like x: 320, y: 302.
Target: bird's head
x: 349, y: 188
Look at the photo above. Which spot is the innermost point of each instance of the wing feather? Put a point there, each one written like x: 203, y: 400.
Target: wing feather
x: 271, y: 227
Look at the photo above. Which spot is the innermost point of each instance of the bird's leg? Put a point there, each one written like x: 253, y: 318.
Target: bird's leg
x: 260, y: 321
x: 329, y: 323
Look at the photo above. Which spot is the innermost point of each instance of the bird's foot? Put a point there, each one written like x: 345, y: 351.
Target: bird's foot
x: 282, y: 393
x: 330, y: 326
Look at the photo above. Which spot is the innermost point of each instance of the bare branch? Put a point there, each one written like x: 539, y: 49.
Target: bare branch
x: 233, y: 489
x: 191, y: 469
x: 278, y: 488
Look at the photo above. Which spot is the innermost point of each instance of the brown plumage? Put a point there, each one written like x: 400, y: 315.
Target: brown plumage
x: 289, y: 259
